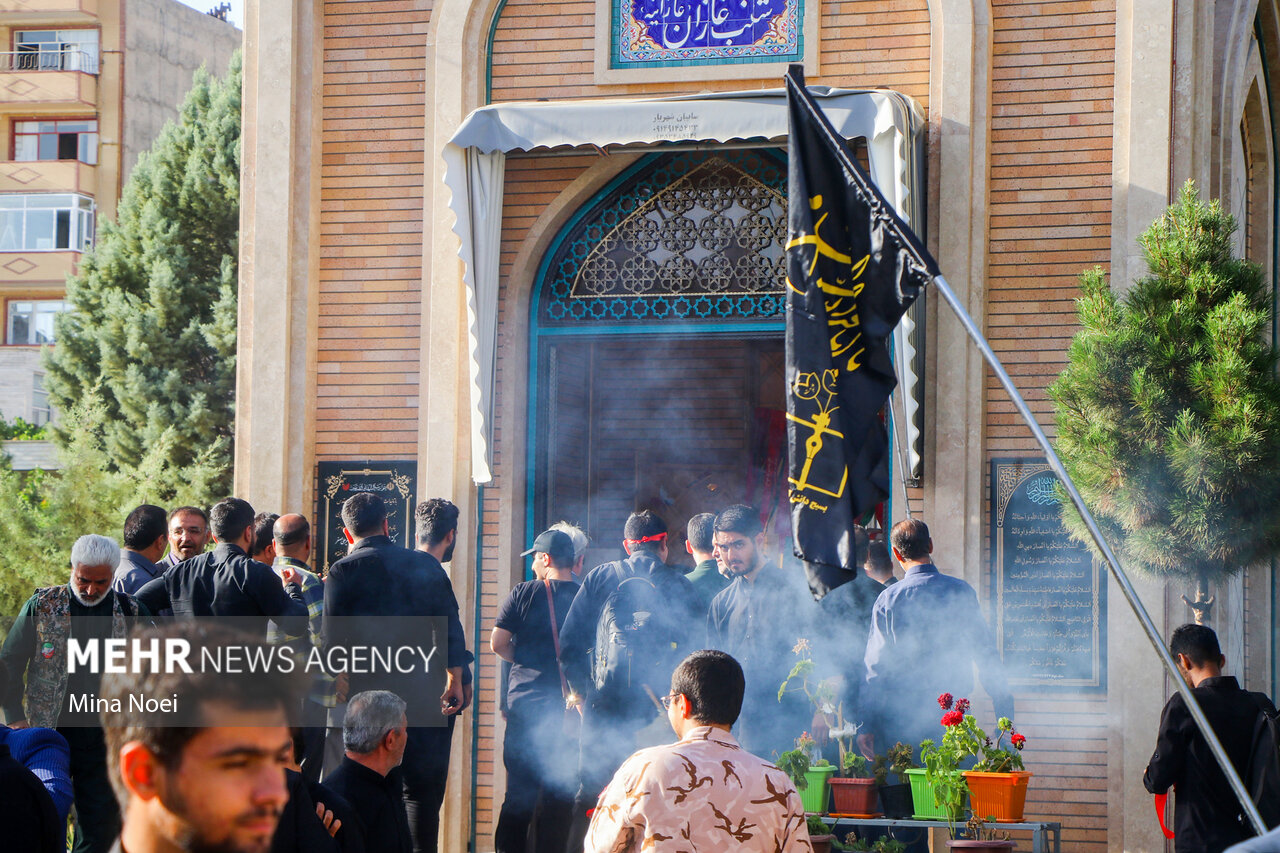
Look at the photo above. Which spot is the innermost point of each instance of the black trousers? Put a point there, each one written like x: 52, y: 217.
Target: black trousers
x: 425, y: 770
x: 97, y: 812
x: 608, y: 739
x: 541, y: 764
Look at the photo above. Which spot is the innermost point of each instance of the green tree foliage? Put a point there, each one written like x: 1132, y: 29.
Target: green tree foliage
x: 42, y: 513
x: 1169, y: 410
x: 20, y: 430
x: 153, y: 333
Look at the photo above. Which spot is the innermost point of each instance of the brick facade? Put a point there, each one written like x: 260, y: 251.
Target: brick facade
x: 1043, y: 125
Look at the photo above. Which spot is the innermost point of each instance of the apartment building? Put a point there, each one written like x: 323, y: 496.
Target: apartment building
x: 85, y: 87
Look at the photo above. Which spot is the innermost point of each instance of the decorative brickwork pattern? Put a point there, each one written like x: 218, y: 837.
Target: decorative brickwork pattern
x: 371, y: 195
x: 1050, y: 190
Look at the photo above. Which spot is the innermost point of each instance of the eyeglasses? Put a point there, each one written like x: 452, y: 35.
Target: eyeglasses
x: 668, y: 699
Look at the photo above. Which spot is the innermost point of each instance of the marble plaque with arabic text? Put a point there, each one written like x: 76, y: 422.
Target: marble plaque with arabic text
x: 1048, y: 593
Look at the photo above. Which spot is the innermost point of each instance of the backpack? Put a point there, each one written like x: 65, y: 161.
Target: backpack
x: 635, y: 645
x: 1263, y: 776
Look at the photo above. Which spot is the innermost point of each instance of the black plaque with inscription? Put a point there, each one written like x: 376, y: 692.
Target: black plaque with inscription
x: 1049, y: 595
x: 395, y: 482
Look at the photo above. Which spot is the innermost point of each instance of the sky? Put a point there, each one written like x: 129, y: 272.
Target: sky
x: 235, y: 16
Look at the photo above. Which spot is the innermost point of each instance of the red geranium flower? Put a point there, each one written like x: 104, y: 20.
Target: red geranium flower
x: 952, y: 718
x: 944, y: 701
x: 1017, y: 740
x: 962, y: 705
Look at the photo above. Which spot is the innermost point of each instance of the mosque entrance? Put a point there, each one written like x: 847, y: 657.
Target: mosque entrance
x: 657, y: 367
x: 679, y: 425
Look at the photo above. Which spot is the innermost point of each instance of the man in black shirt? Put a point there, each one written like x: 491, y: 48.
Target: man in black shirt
x: 374, y: 737
x: 226, y: 582
x: 381, y: 594
x: 759, y: 619
x: 540, y: 758
x: 1207, y: 817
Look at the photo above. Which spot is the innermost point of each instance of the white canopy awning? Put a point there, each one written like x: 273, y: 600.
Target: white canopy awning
x: 475, y: 161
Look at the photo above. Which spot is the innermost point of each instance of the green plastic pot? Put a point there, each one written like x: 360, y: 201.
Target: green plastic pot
x: 814, y: 796
x: 922, y: 798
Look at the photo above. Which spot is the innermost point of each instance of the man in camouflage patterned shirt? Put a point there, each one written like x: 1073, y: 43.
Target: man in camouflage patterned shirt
x: 703, y: 792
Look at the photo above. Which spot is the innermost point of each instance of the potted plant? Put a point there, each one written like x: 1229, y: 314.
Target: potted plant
x: 820, y: 836
x: 810, y: 775
x: 883, y: 844
x: 823, y: 695
x: 998, y: 783
x: 978, y: 837
x: 939, y: 790
x: 895, y: 799
x: 1002, y: 781
x: 854, y: 791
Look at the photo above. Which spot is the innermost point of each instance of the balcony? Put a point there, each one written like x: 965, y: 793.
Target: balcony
x: 48, y: 176
x: 48, y: 92
x: 37, y: 267
x: 41, y: 83
x: 25, y: 12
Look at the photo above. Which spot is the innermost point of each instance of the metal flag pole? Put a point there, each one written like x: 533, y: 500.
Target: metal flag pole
x: 1130, y: 594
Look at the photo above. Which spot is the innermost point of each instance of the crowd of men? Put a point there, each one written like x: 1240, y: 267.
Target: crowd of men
x: 383, y: 755
x: 605, y: 644
x: 604, y: 665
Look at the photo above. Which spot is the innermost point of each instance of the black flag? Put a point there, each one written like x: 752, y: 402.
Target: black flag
x: 853, y: 268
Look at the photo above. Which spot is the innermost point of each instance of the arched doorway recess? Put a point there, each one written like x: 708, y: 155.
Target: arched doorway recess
x: 656, y: 359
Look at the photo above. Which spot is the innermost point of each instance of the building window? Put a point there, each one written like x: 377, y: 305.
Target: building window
x: 41, y: 413
x: 46, y: 222
x: 56, y: 50
x: 61, y: 139
x: 31, y: 322
x: 687, y: 236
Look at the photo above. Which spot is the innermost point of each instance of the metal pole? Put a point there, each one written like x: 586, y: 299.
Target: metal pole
x: 1215, y: 746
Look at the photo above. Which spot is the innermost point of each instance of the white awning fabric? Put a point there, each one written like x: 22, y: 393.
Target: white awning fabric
x: 475, y: 160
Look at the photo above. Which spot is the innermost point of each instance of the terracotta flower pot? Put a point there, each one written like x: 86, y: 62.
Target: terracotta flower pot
x: 854, y: 796
x: 821, y: 843
x: 998, y: 797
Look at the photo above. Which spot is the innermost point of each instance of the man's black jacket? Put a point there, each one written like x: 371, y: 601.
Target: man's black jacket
x: 225, y: 582
x: 378, y: 578
x: 1206, y: 816
x: 377, y: 803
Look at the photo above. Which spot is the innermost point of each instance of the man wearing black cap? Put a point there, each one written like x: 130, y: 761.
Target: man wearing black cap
x: 540, y: 758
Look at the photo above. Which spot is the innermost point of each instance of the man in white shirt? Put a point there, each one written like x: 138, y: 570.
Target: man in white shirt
x: 703, y: 792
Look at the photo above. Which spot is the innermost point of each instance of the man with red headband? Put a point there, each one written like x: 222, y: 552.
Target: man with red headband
x: 631, y: 623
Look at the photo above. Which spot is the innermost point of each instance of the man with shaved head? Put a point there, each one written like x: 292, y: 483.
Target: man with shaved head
x: 291, y: 536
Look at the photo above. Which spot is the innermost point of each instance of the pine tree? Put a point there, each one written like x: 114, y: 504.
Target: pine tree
x: 153, y: 330
x: 1169, y: 410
